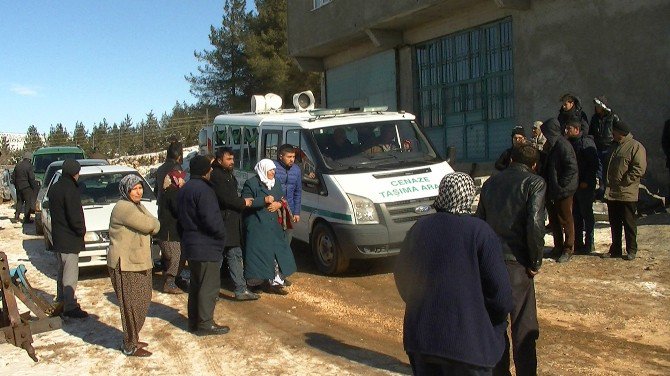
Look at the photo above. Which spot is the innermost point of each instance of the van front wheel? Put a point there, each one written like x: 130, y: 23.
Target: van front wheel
x: 328, y: 255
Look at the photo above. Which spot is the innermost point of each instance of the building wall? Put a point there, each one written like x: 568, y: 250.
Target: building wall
x: 615, y: 48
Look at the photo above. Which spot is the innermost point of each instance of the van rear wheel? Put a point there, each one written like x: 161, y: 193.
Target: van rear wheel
x: 327, y: 253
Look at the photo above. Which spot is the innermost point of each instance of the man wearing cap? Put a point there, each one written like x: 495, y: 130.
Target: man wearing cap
x: 26, y: 185
x: 601, y: 130
x: 626, y: 165
x: 518, y: 139
x: 582, y: 204
x: 538, y: 139
x: 68, y: 228
x: 202, y: 234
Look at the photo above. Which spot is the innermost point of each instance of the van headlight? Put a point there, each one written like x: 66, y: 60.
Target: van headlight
x: 91, y: 237
x: 364, y: 209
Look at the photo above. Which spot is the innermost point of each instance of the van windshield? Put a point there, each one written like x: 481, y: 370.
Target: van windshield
x: 378, y: 145
x: 42, y: 161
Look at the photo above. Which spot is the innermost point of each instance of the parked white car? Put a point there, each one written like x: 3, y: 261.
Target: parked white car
x: 99, y: 186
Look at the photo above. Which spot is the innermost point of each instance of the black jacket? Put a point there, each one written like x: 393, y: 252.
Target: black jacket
x: 230, y: 203
x: 161, y: 172
x: 200, y: 225
x: 504, y: 160
x: 601, y: 130
x: 560, y: 168
x: 587, y: 159
x: 168, y: 214
x: 576, y: 114
x: 24, y: 175
x: 68, y: 226
x: 512, y: 203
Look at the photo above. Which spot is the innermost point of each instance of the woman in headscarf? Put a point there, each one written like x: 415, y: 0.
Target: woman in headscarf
x: 268, y: 258
x: 452, y: 277
x: 168, y: 237
x: 129, y: 261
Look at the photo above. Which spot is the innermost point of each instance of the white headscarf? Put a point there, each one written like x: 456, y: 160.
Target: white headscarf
x: 262, y: 168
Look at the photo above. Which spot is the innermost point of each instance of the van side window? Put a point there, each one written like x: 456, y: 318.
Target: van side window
x: 271, y: 141
x: 250, y: 149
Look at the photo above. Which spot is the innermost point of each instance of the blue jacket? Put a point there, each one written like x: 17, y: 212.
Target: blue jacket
x: 200, y: 225
x: 451, y: 274
x: 291, y: 184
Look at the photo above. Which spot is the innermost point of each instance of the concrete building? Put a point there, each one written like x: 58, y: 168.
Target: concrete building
x: 472, y: 69
x: 15, y: 141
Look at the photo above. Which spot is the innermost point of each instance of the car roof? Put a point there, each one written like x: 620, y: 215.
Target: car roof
x: 307, y: 121
x: 92, y: 170
x: 57, y: 150
x: 82, y: 162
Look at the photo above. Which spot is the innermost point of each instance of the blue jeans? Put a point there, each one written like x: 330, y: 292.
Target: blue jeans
x: 236, y: 268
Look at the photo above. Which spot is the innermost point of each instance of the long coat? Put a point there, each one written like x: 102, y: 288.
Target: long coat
x: 68, y: 225
x: 230, y: 203
x: 265, y: 239
x: 167, y: 215
x: 627, y: 164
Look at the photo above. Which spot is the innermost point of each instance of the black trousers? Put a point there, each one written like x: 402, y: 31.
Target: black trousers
x: 525, y: 328
x: 432, y: 365
x: 582, y: 212
x: 24, y: 199
x: 202, y: 293
x: 622, y: 215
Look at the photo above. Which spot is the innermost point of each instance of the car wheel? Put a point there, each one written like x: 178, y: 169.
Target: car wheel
x: 328, y: 255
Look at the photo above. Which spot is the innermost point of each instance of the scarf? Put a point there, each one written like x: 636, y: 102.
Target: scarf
x: 172, y: 179
x: 127, y: 183
x: 262, y: 168
x: 456, y: 194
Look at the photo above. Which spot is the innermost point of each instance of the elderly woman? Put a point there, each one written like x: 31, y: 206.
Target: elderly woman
x: 168, y: 237
x: 452, y: 277
x: 129, y: 261
x: 268, y: 259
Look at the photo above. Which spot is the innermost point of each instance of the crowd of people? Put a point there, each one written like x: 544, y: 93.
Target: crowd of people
x: 461, y: 286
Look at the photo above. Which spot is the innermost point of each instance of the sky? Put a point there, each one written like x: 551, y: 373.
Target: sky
x: 83, y: 60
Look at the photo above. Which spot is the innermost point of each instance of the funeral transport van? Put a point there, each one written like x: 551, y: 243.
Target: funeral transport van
x: 367, y: 174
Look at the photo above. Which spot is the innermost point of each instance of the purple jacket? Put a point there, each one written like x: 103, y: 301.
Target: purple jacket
x: 291, y: 184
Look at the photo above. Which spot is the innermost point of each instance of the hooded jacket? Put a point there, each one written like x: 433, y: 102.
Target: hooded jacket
x: 601, y: 129
x: 560, y: 169
x: 23, y: 175
x: 68, y: 225
x: 587, y: 159
x: 627, y: 164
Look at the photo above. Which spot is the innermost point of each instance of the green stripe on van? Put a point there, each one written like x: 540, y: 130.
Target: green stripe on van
x: 326, y: 213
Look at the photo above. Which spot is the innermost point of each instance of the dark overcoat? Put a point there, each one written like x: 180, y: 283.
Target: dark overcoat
x: 230, y: 203
x: 68, y: 225
x: 265, y: 238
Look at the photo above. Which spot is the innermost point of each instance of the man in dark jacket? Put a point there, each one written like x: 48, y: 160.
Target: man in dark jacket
x: 560, y: 172
x: 26, y: 187
x: 512, y: 203
x: 518, y: 139
x: 231, y: 206
x: 288, y: 174
x: 665, y: 143
x: 600, y: 128
x: 173, y: 159
x: 571, y: 110
x: 68, y: 228
x: 455, y: 286
x: 203, y: 236
x: 582, y: 206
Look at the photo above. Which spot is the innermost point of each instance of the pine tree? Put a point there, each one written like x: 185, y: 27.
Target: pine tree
x: 224, y: 78
x: 80, y: 137
x: 33, y: 139
x: 267, y: 50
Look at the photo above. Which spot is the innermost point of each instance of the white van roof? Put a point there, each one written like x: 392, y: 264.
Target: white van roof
x: 308, y: 121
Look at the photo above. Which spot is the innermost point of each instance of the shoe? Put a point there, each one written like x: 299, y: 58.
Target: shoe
x: 274, y: 289
x: 565, y: 257
x: 169, y: 287
x: 76, y: 313
x: 213, y: 329
x: 629, y: 257
x: 141, y: 344
x: 255, y: 289
x: 15, y: 220
x: 182, y: 283
x: 137, y: 351
x: 246, y: 295
x: 610, y: 255
x: 287, y: 283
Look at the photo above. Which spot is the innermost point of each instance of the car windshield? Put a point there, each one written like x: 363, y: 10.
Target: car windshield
x: 379, y: 145
x: 104, y: 188
x: 42, y: 161
x: 51, y: 170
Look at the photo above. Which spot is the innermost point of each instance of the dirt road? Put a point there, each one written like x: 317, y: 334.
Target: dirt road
x: 597, y: 317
